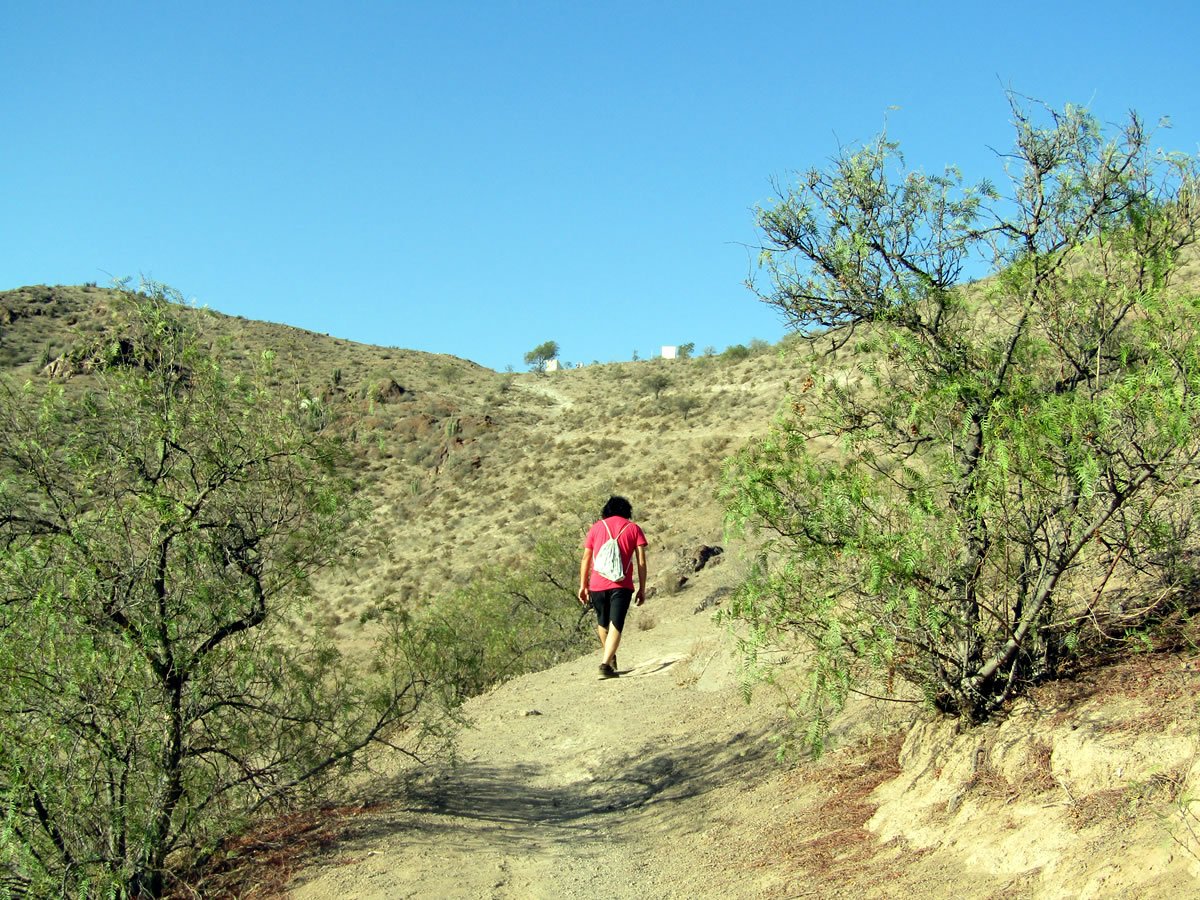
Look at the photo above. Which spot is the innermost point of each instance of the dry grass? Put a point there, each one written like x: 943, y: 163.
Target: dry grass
x: 646, y: 621
x: 1124, y: 805
x: 1163, y: 683
x: 260, y: 863
x: 460, y: 464
x: 466, y: 464
x: 826, y: 844
x: 1038, y: 775
x: 1100, y: 806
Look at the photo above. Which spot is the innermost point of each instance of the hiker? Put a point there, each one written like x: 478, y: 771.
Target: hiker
x: 606, y: 575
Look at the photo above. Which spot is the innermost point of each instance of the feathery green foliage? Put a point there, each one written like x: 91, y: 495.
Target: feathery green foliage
x: 159, y: 531
x: 511, y: 618
x: 994, y: 464
x: 656, y: 381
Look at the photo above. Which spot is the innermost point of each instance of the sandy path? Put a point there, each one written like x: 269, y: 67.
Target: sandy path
x: 569, y: 786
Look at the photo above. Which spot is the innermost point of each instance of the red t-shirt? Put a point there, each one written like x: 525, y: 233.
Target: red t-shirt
x: 628, y: 539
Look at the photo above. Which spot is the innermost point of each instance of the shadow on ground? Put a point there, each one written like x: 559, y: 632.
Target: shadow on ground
x: 511, y: 804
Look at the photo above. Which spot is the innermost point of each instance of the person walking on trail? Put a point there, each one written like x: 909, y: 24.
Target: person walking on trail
x: 606, y: 575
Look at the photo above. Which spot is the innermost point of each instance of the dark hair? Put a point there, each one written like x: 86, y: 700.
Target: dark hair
x: 617, y: 506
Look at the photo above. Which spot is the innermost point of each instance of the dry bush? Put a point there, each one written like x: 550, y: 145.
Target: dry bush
x: 539, y: 456
x: 1038, y: 776
x: 646, y: 621
x: 1107, y: 805
x: 259, y: 863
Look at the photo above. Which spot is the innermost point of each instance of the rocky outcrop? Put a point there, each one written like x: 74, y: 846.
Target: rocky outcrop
x: 694, y: 559
x: 388, y: 391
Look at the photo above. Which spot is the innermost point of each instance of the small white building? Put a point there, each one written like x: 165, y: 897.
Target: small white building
x: 552, y: 365
x: 670, y: 352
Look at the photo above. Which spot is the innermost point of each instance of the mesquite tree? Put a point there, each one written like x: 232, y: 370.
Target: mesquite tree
x: 158, y: 528
x: 978, y: 475
x: 540, y: 356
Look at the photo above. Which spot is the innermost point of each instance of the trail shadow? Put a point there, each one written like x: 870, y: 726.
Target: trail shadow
x: 651, y: 666
x: 504, y: 805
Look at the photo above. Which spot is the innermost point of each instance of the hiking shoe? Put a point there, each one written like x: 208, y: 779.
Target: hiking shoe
x: 607, y: 671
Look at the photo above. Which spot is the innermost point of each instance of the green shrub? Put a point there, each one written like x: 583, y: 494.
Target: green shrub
x: 956, y: 508
x: 159, y: 532
x: 509, y: 620
x: 735, y: 353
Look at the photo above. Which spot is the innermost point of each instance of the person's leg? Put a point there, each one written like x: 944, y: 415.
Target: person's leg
x: 603, y: 635
x: 610, y: 645
x: 601, y: 604
x: 618, y: 606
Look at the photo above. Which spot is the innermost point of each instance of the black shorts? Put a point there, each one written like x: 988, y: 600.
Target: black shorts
x: 611, y: 606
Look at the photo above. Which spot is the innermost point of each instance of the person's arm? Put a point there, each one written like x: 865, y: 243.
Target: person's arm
x: 641, y: 564
x: 585, y: 571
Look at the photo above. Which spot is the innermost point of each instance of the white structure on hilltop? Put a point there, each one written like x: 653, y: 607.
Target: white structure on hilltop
x: 670, y: 352
x: 552, y: 365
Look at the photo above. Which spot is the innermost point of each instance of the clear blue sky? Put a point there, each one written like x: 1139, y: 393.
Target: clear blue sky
x: 477, y: 178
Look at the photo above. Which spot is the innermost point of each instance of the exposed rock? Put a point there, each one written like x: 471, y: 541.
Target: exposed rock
x: 713, y: 599
x: 1013, y: 796
x: 698, y: 557
x: 420, y: 424
x: 61, y: 367
x: 389, y: 391
x: 120, y: 352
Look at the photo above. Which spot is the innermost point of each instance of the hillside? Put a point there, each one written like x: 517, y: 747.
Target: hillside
x: 449, y: 449
x: 663, y: 783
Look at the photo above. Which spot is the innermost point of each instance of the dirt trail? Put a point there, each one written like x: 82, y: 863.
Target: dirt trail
x: 560, y: 400
x: 570, y: 786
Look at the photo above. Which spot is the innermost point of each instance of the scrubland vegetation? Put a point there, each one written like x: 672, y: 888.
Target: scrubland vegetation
x: 978, y: 481
x: 238, y: 556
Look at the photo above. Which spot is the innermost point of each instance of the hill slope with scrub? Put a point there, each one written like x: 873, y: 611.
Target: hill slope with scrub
x: 662, y: 782
x: 251, y: 569
x: 457, y: 463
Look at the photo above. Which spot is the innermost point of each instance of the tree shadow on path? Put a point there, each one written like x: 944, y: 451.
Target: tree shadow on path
x: 501, y: 805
